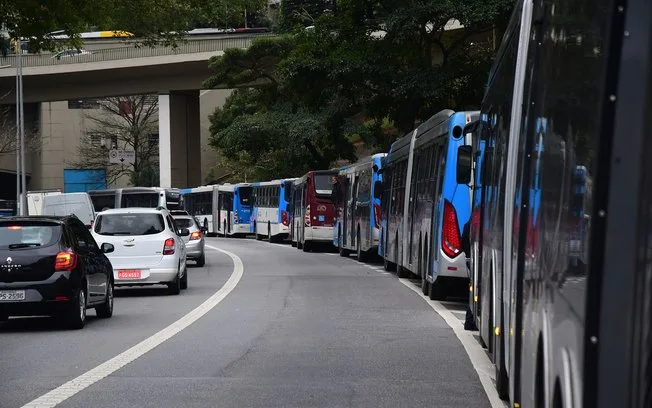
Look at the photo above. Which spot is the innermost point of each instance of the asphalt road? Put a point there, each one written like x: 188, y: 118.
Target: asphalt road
x: 299, y: 330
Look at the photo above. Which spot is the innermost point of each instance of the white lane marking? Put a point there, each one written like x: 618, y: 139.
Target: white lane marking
x: 76, y: 385
x: 478, y: 357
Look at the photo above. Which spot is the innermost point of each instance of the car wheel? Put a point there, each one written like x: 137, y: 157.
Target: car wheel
x: 174, y: 287
x: 184, y: 279
x: 75, y: 316
x: 201, y: 260
x: 105, y: 310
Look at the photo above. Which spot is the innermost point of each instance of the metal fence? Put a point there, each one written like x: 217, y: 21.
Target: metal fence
x: 122, y: 53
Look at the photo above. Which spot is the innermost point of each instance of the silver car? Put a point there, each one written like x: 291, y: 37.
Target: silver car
x: 195, y: 241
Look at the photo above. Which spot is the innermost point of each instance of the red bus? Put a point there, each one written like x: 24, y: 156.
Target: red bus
x: 313, y: 211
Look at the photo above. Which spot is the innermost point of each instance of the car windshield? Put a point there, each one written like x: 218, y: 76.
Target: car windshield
x: 184, y: 223
x: 26, y: 235
x: 130, y: 224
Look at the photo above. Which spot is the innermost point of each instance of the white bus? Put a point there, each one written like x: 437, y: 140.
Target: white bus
x: 147, y: 197
x: 233, y: 209
x: 201, y: 203
x: 270, y: 216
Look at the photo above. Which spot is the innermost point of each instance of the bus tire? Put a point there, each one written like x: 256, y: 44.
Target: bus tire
x: 387, y: 265
x: 306, y: 246
x: 436, y: 291
x: 361, y: 256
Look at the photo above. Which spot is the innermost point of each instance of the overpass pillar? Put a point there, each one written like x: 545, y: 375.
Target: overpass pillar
x: 179, y: 139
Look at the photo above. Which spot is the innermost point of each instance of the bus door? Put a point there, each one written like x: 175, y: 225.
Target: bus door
x: 229, y: 211
x: 412, y: 204
x: 348, y: 214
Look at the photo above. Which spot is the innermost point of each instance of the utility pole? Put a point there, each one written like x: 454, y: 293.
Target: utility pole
x: 245, y: 18
x: 17, y: 146
x: 21, y: 125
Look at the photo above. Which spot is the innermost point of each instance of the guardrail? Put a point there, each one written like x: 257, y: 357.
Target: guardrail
x: 112, y: 54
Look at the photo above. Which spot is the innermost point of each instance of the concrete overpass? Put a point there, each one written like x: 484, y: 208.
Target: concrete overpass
x: 176, y: 75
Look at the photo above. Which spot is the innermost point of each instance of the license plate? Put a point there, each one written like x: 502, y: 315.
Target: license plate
x: 11, y: 295
x: 322, y: 218
x: 129, y: 274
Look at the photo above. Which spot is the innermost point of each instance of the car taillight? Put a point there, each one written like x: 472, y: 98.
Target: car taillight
x: 65, y: 261
x: 284, y: 218
x: 377, y: 216
x: 195, y: 235
x: 235, y: 217
x: 168, y: 247
x: 307, y: 217
x: 451, y: 242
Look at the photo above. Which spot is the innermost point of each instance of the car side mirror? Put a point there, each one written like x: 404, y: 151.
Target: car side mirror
x: 107, y: 248
x: 464, y: 164
x: 184, y: 232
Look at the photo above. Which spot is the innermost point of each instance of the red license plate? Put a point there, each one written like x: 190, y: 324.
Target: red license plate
x: 129, y: 274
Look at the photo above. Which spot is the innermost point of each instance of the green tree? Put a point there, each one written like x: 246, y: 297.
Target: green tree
x: 371, y: 71
x: 124, y: 123
x: 303, y: 12
x: 152, y: 21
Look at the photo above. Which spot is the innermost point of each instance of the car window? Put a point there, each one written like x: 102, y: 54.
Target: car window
x: 184, y: 223
x: 28, y: 234
x: 171, y: 224
x: 82, y: 237
x: 130, y: 224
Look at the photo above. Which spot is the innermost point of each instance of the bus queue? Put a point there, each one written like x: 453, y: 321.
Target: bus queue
x: 546, y: 184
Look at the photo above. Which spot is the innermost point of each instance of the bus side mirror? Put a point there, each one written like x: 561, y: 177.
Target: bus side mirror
x: 378, y: 189
x: 464, y: 163
x: 375, y: 168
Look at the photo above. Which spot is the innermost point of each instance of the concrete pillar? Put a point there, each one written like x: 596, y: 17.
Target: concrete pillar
x: 179, y: 139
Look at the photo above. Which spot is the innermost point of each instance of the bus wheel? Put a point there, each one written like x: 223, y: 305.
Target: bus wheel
x: 422, y: 271
x: 388, y: 266
x: 436, y: 290
x: 360, y: 255
x: 307, y: 246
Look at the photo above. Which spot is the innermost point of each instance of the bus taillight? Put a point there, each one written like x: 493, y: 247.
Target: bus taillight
x: 307, y: 217
x: 235, y: 217
x: 451, y: 242
x: 377, y: 216
x: 284, y: 218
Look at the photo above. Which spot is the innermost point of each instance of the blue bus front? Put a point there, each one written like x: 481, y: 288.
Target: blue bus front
x: 453, y: 211
x: 242, y: 208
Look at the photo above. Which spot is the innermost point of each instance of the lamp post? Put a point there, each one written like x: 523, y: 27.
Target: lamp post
x: 20, y: 131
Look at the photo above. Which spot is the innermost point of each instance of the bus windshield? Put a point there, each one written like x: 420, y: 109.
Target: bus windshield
x: 245, y: 195
x: 324, y: 184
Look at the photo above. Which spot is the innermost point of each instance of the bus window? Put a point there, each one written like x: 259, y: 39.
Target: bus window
x: 324, y: 184
x: 245, y: 195
x: 143, y: 200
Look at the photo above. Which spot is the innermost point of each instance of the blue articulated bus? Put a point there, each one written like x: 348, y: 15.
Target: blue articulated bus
x: 357, y: 203
x: 270, y: 216
x: 424, y: 205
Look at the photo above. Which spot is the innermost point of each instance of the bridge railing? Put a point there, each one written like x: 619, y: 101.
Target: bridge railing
x: 122, y: 53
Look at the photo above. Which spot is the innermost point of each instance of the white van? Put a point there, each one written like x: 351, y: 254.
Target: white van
x: 79, y: 204
x: 36, y: 198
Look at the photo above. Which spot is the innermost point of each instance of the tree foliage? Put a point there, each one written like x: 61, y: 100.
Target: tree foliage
x: 370, y: 70
x: 151, y: 21
x: 8, y: 143
x: 124, y: 123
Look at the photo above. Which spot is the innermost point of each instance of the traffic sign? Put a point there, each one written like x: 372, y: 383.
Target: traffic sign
x: 122, y: 156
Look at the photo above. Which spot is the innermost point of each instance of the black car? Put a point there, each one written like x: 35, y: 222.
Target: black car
x: 53, y: 266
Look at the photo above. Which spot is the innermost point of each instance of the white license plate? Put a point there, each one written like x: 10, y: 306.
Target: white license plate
x: 11, y: 295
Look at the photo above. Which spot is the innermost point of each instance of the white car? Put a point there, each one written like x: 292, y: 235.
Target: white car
x: 149, y: 250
